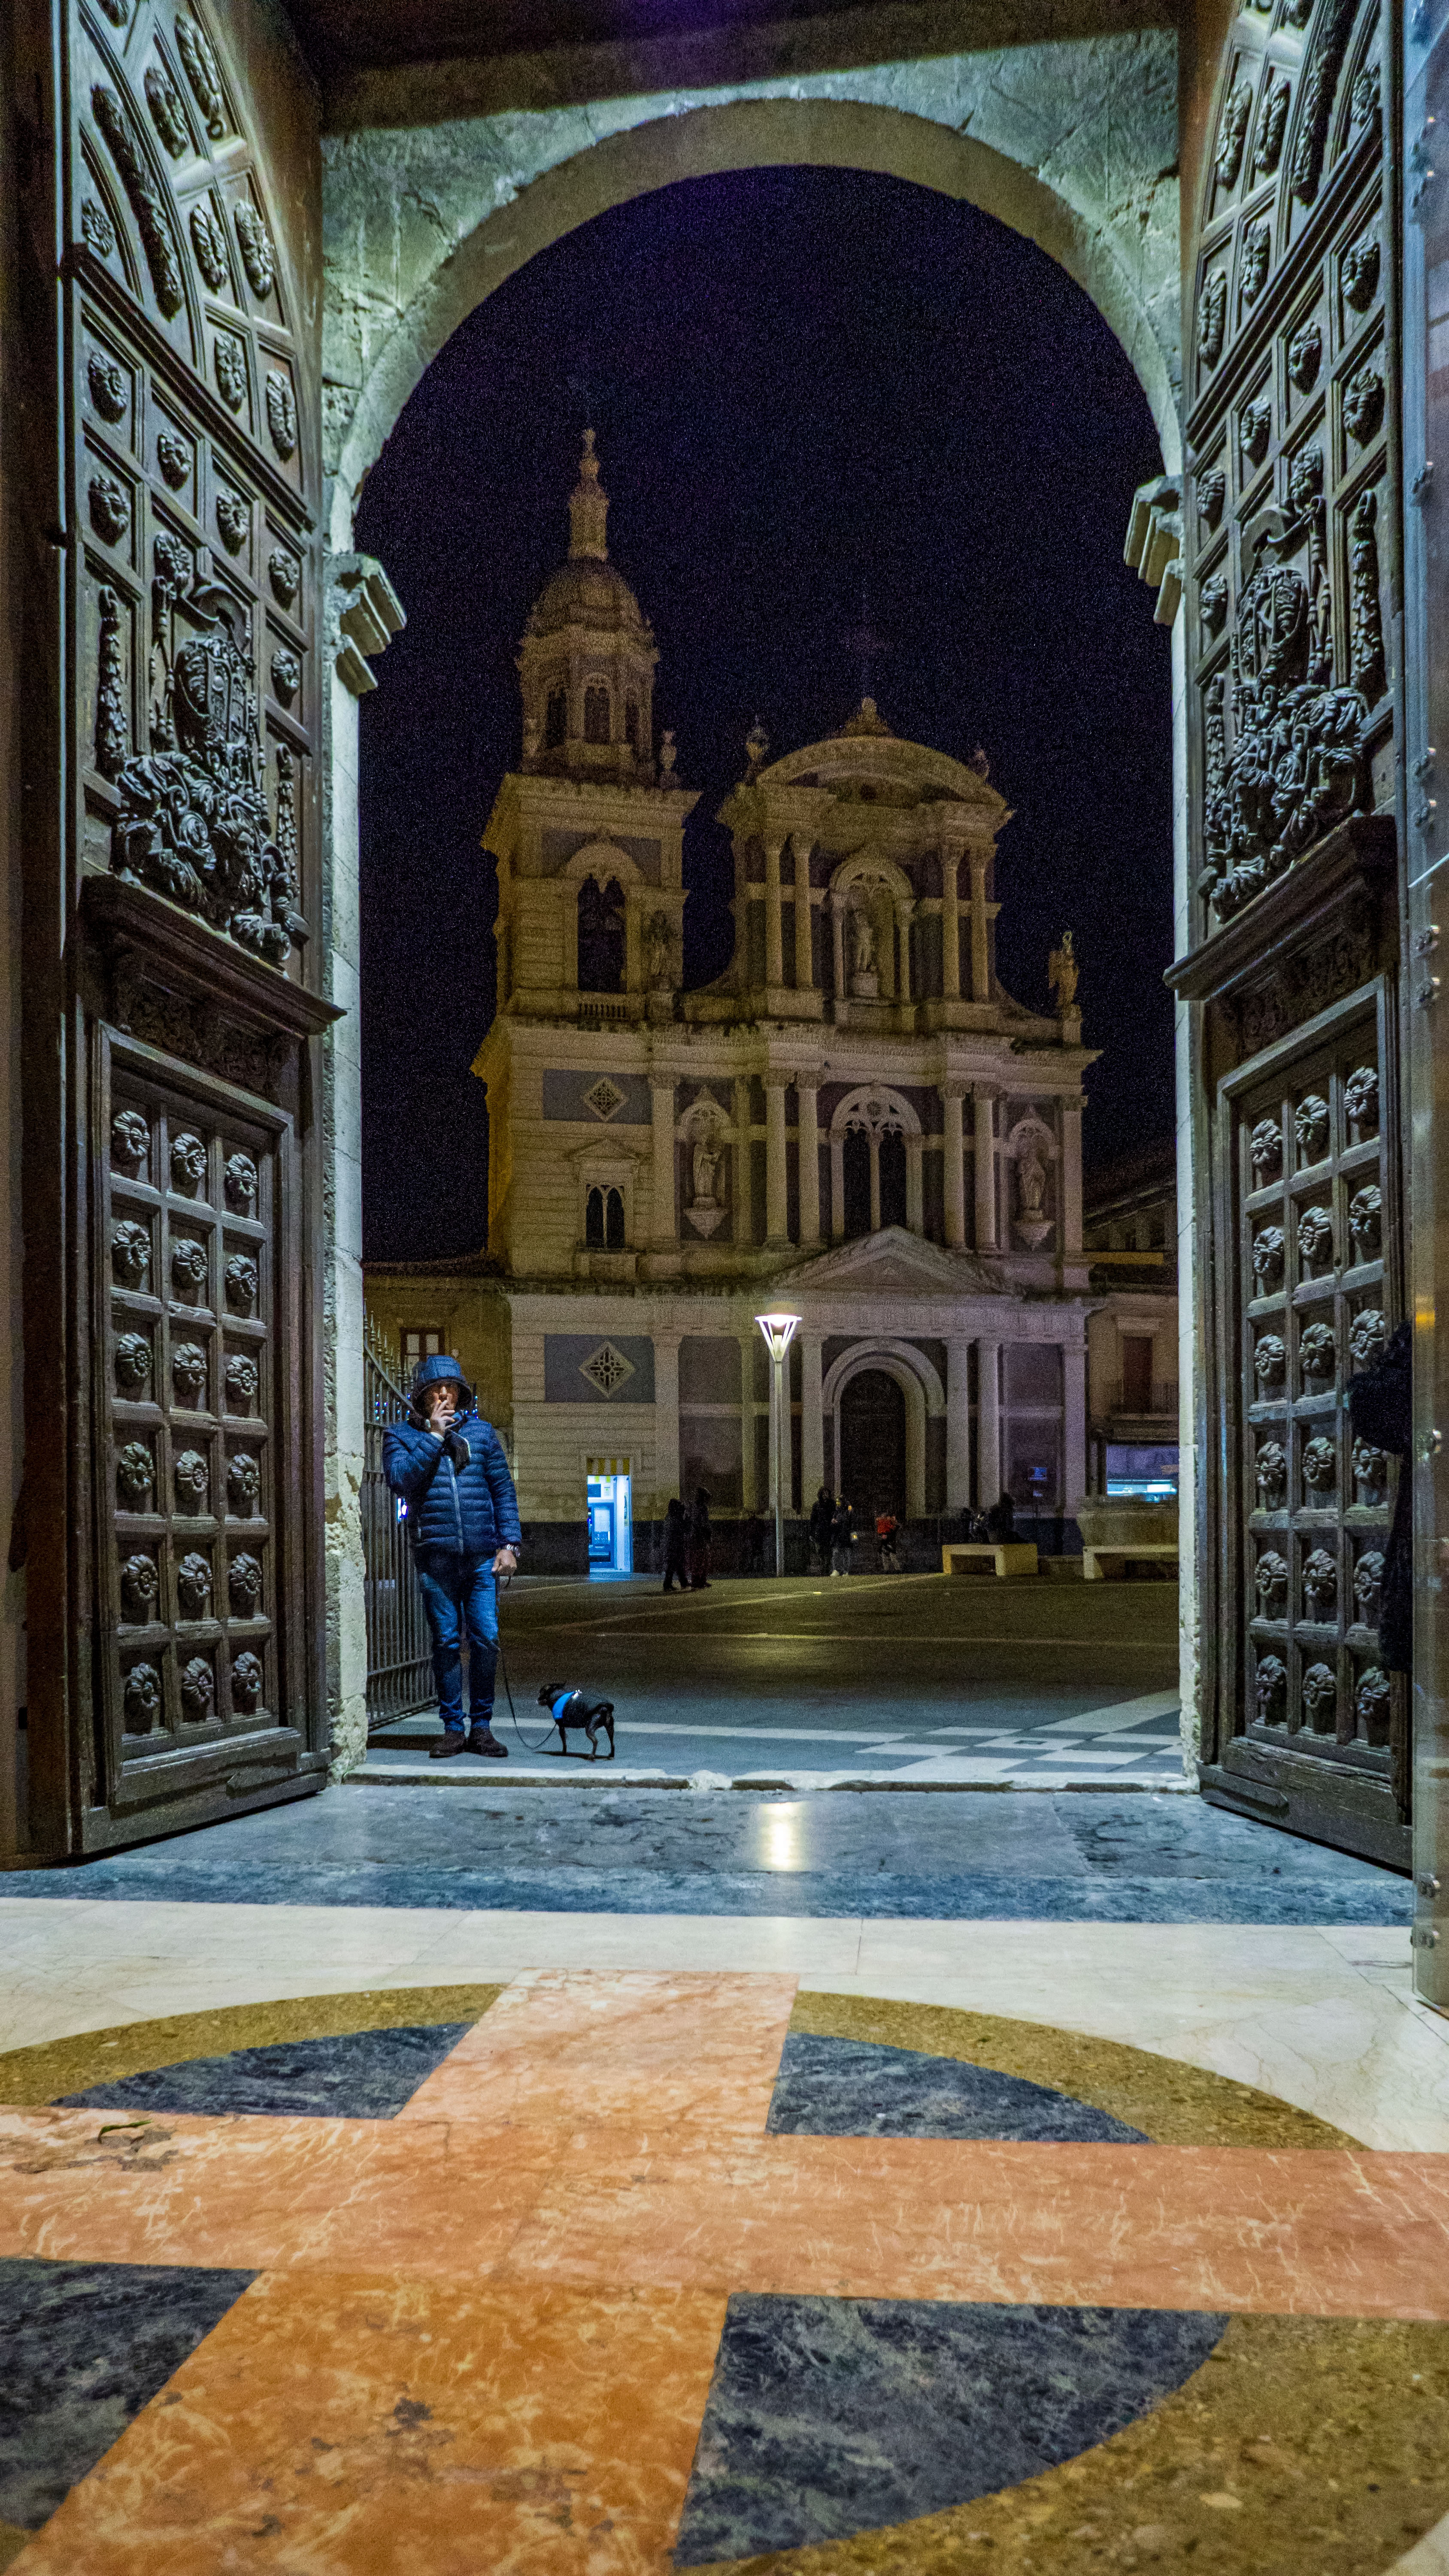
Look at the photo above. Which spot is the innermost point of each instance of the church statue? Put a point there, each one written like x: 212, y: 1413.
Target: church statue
x: 657, y: 948
x: 862, y: 943
x: 1031, y: 1184
x: 706, y: 1164
x: 1062, y: 973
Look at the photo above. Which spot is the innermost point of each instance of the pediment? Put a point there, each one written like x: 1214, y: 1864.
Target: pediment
x: 896, y: 1261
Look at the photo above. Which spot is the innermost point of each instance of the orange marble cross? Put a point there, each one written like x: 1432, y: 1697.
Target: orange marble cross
x: 482, y: 2333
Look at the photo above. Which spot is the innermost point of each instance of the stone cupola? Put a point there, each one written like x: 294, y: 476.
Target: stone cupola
x: 587, y: 660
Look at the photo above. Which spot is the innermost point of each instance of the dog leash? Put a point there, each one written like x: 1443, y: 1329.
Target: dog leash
x: 550, y: 1729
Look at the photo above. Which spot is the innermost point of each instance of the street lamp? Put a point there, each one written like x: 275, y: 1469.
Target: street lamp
x: 779, y: 1332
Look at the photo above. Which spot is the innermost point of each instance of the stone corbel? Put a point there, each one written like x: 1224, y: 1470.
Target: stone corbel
x: 364, y: 614
x: 1154, y: 542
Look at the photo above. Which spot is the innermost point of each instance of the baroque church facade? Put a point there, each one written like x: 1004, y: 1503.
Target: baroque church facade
x: 855, y: 1122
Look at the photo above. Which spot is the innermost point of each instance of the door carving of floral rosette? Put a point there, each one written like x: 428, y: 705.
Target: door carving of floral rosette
x: 702, y: 1130
x: 1031, y: 1149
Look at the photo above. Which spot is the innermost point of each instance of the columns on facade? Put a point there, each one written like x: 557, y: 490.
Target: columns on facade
x: 777, y: 1205
x: 988, y: 1424
x: 983, y: 1147
x: 744, y: 1178
x: 874, y: 1182
x: 837, y: 1188
x: 1074, y: 1388
x: 633, y: 940
x: 666, y: 1416
x: 665, y: 1228
x: 950, y: 927
x: 958, y: 1424
x: 812, y: 1420
x: 837, y: 945
x: 980, y: 953
x: 809, y: 1131
x: 1072, y: 1176
x: 750, y: 1495
x: 774, y: 918
x: 903, y: 952
x: 954, y: 1190
x: 915, y: 1185
x: 804, y: 950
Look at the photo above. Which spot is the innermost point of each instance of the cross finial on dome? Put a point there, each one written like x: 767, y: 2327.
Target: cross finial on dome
x: 588, y: 507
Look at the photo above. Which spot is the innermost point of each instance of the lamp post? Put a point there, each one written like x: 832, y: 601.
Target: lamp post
x: 779, y: 1332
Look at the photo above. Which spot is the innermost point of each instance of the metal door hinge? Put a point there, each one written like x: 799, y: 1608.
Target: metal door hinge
x: 1425, y: 1936
x: 1428, y: 992
x: 1426, y: 940
x: 1428, y: 1885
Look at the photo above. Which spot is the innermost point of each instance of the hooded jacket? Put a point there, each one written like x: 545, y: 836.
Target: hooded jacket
x: 458, y: 1490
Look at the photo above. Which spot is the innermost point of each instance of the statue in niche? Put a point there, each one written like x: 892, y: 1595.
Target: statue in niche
x: 1031, y: 1182
x: 864, y: 972
x: 658, y: 951
x: 1062, y: 975
x: 705, y: 1165
x: 705, y: 1148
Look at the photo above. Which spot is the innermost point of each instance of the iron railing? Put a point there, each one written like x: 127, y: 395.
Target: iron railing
x: 399, y: 1652
x: 1143, y: 1403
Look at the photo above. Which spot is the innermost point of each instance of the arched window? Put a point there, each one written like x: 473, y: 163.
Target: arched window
x: 596, y: 714
x: 594, y: 1220
x: 601, y: 937
x: 857, y: 1181
x: 556, y: 720
x: 631, y: 723
x: 604, y: 1219
x: 892, y: 1177
x: 614, y: 1220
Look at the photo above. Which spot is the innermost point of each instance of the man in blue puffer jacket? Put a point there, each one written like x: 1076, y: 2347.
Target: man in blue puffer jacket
x: 448, y: 1465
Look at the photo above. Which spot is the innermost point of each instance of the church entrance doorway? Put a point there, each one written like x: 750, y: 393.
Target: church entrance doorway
x: 873, y: 1446
x: 611, y: 1536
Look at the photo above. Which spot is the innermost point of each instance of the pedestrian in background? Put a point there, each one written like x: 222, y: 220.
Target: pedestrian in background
x: 842, y: 1537
x: 752, y: 1558
x: 676, y: 1560
x: 700, y: 1535
x: 887, y: 1556
x: 822, y: 1513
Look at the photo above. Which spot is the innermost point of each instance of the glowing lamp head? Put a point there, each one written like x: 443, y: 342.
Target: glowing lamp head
x: 779, y: 1332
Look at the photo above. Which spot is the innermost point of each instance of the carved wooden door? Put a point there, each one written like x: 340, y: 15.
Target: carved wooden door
x: 1291, y: 526
x: 172, y: 1465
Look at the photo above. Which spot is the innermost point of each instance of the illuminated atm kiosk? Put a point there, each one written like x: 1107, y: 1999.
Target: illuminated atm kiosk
x: 611, y: 1538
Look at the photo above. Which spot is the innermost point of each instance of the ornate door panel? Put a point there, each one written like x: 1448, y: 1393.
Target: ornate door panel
x: 175, y: 1534
x: 1291, y: 537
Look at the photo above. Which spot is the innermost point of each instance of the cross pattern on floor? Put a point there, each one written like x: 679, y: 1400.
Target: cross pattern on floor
x: 487, y: 2327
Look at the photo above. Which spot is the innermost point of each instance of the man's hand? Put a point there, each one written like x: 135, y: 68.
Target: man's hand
x: 438, y: 1405
x: 505, y: 1562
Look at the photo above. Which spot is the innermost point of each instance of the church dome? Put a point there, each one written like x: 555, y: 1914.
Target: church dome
x: 588, y: 657
x: 590, y: 591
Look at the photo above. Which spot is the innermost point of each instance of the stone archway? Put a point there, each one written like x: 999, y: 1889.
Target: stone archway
x: 422, y: 223
x: 1072, y: 144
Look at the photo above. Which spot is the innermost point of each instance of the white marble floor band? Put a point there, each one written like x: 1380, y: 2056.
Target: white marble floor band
x: 1323, y: 2018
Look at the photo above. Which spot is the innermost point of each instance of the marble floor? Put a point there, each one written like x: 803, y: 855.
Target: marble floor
x: 439, y: 2177
x: 962, y: 2247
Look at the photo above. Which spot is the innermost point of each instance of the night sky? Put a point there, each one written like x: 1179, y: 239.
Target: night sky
x: 808, y: 386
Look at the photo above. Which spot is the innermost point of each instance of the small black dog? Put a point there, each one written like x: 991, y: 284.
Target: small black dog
x: 570, y: 1708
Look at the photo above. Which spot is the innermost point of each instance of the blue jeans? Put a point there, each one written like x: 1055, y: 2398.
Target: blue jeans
x: 461, y: 1591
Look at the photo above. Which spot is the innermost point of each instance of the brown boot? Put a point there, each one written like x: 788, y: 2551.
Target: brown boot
x: 482, y: 1739
x: 451, y: 1741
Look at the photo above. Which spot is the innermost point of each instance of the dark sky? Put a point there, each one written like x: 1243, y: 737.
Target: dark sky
x: 803, y: 382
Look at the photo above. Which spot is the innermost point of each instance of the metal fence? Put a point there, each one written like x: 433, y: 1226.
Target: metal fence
x: 399, y: 1653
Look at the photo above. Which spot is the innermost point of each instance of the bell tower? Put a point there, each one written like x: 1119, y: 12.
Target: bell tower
x: 586, y: 664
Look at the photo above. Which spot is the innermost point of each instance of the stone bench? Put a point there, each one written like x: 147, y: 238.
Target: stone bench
x: 1105, y: 1564
x: 1008, y: 1556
